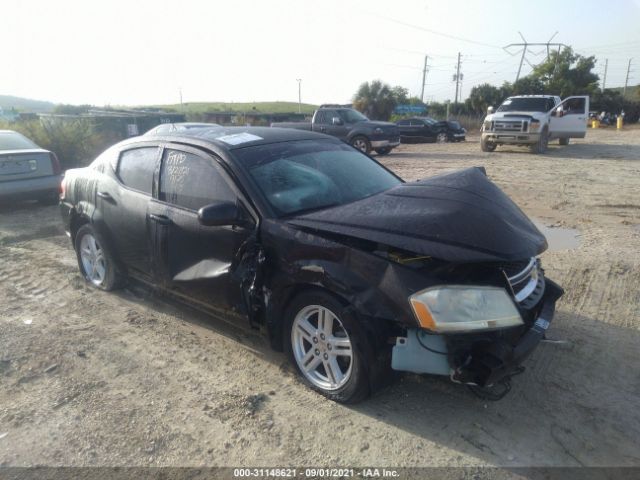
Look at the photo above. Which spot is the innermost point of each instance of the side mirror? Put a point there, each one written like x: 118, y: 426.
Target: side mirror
x: 559, y: 111
x: 219, y: 214
x: 490, y: 110
x: 337, y: 121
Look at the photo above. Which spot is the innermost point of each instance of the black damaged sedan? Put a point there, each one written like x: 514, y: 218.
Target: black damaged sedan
x: 339, y: 262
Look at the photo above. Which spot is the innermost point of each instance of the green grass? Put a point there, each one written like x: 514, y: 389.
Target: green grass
x: 263, y: 107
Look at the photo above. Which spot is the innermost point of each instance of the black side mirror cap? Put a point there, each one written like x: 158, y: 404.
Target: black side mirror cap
x: 219, y: 214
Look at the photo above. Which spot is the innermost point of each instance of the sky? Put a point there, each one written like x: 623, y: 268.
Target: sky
x: 148, y: 52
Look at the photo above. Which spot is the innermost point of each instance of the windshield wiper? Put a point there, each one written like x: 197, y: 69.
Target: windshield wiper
x: 311, y: 209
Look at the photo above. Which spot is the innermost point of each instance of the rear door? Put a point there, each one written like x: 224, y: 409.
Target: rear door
x: 191, y: 259
x: 122, y: 203
x: 573, y: 122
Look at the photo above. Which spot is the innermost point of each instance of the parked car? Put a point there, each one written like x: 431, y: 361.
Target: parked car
x: 427, y: 129
x: 534, y: 120
x: 176, y: 127
x: 339, y: 262
x: 27, y: 172
x: 352, y: 127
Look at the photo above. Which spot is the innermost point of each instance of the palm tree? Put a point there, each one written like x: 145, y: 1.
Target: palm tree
x: 376, y: 100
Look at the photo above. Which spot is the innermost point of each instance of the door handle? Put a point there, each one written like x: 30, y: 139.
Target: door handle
x: 161, y: 219
x: 107, y: 196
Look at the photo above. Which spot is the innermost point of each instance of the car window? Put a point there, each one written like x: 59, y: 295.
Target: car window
x: 327, y: 116
x: 574, y: 106
x: 417, y: 123
x: 15, y: 141
x: 190, y: 181
x: 311, y: 174
x: 403, y: 123
x: 136, y: 167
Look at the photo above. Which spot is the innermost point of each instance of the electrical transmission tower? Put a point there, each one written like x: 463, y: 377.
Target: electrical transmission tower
x: 525, y: 49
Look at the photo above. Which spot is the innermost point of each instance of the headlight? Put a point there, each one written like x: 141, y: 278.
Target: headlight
x: 487, y: 126
x: 377, y: 130
x: 534, y: 126
x: 461, y: 309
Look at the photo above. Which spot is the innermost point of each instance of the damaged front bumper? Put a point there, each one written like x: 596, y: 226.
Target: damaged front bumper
x: 479, y: 359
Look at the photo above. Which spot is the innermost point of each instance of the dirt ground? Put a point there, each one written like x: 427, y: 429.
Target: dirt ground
x: 93, y: 378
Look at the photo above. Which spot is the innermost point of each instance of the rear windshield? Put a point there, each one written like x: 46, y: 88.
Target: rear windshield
x: 302, y: 176
x: 15, y: 141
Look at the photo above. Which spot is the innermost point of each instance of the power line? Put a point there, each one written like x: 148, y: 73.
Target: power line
x: 434, y: 32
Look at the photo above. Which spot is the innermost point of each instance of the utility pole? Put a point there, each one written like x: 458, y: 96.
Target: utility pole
x: 626, y: 80
x: 299, y: 80
x: 457, y: 79
x: 424, y: 77
x: 604, y: 79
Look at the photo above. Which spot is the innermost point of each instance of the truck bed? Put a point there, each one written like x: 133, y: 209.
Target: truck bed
x: 296, y: 125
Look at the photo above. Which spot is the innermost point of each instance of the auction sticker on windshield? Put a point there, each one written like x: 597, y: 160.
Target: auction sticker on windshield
x: 239, y: 138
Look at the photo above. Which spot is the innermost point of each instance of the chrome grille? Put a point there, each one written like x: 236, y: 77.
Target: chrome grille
x: 508, y: 125
x: 526, y: 280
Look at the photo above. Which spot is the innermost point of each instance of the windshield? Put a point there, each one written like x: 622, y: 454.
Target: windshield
x: 429, y: 120
x: 313, y: 174
x: 529, y: 104
x: 15, y: 141
x: 352, y: 116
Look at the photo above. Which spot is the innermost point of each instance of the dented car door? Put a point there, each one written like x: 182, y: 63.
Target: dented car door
x: 193, y: 259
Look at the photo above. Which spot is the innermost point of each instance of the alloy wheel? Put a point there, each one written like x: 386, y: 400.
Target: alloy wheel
x: 322, y: 347
x: 441, y: 138
x: 93, y: 260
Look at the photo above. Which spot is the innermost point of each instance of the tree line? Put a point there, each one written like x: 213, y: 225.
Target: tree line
x: 564, y: 73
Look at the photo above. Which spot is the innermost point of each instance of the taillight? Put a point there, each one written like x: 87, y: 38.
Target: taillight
x: 55, y: 164
x: 63, y: 189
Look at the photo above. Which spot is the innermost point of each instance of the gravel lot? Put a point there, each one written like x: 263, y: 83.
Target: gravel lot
x: 93, y: 378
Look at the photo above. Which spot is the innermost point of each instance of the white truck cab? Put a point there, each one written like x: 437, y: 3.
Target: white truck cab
x: 534, y: 120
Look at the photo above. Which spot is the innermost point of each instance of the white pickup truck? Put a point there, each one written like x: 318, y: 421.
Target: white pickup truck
x: 534, y: 120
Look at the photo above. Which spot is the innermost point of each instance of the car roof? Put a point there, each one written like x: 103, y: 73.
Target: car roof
x: 233, y: 138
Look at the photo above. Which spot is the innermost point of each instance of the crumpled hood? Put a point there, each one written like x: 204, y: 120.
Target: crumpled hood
x: 457, y: 217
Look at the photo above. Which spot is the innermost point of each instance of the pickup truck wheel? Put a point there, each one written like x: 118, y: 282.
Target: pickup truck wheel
x: 95, y: 260
x: 327, y: 346
x: 361, y: 143
x: 564, y: 141
x: 442, y: 138
x: 543, y: 142
x: 486, y: 146
x: 383, y: 151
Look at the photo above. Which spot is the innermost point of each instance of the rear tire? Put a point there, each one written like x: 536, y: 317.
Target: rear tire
x: 362, y: 143
x: 564, y: 141
x: 487, y: 146
x: 317, y: 327
x: 95, y: 259
x: 383, y: 151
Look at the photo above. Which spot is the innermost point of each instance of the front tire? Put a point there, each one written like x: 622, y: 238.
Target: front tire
x: 95, y: 260
x: 327, y: 346
x: 487, y: 146
x: 383, y: 151
x: 362, y: 143
x: 442, y: 138
x: 541, y: 145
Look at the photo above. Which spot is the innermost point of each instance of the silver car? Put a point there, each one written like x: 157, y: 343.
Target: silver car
x: 26, y: 170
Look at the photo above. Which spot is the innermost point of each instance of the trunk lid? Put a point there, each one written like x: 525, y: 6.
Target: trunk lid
x: 24, y: 164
